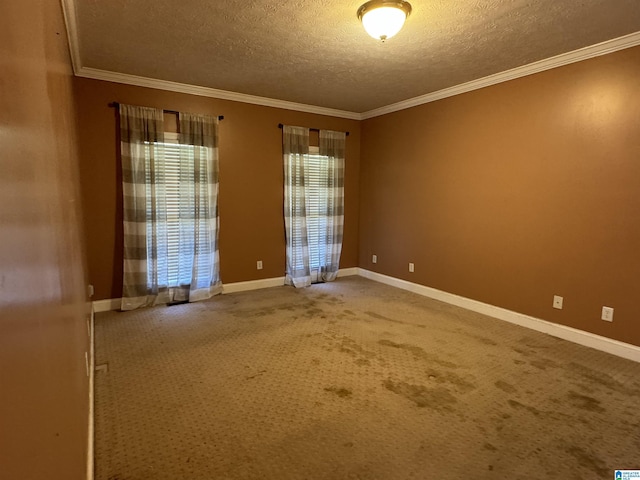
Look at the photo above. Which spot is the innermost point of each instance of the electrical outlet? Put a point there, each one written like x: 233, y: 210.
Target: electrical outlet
x: 557, y: 302
x: 259, y: 265
x: 607, y: 314
x: 374, y: 258
x: 411, y: 267
x: 90, y: 290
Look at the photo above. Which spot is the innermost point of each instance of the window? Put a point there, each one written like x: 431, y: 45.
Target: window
x: 313, y: 205
x: 170, y: 208
x: 316, y: 175
x: 175, y: 209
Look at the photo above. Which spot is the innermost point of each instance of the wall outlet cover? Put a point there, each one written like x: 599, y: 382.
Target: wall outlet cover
x: 607, y: 314
x: 557, y: 302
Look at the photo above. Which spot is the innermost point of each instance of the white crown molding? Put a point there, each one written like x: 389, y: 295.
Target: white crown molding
x: 579, y: 55
x: 116, y: 77
x: 604, y: 344
x: 603, y: 48
x: 70, y: 20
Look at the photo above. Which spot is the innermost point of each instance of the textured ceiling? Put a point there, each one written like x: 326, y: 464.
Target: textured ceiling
x: 317, y: 53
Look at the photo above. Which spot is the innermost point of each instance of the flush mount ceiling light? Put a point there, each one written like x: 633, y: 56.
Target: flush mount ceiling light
x: 382, y: 19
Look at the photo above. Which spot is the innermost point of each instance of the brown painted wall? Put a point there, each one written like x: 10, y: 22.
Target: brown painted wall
x: 251, y: 181
x: 516, y: 192
x: 43, y: 334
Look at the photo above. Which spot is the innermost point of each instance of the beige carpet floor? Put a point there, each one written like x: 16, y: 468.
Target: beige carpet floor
x: 353, y: 380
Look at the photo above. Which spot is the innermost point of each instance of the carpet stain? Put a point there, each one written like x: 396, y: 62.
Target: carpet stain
x: 485, y: 340
x: 532, y: 342
x: 382, y: 317
x: 330, y: 299
x: 451, y: 378
x: 348, y: 312
x: 543, y: 363
x: 287, y: 308
x: 392, y: 320
x: 505, y: 387
x: 524, y: 353
x: 362, y: 362
x: 435, y: 398
x: 261, y: 312
x: 313, y: 312
x: 352, y: 348
x: 586, y: 388
x: 256, y: 375
x: 585, y: 403
x: 341, y: 392
x: 518, y: 405
x: 589, y: 460
x: 600, y: 378
x: 418, y: 352
x: 488, y: 446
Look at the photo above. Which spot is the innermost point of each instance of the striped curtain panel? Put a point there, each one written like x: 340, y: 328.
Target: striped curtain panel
x: 170, y: 196
x: 313, y: 205
x: 296, y: 150
x: 141, y: 127
x: 332, y: 146
x: 200, y: 183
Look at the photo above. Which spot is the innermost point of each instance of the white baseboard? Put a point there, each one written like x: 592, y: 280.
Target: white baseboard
x: 91, y: 426
x: 111, y: 304
x: 106, y: 305
x: 347, y: 272
x: 252, y: 285
x: 614, y: 347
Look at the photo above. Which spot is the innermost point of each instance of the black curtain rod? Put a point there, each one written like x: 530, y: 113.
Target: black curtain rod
x: 312, y: 129
x: 174, y: 112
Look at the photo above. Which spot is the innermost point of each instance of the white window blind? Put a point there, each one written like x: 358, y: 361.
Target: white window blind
x: 177, y: 181
x: 316, y: 194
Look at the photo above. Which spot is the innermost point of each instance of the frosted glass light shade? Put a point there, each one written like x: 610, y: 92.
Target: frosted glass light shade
x: 383, y: 19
